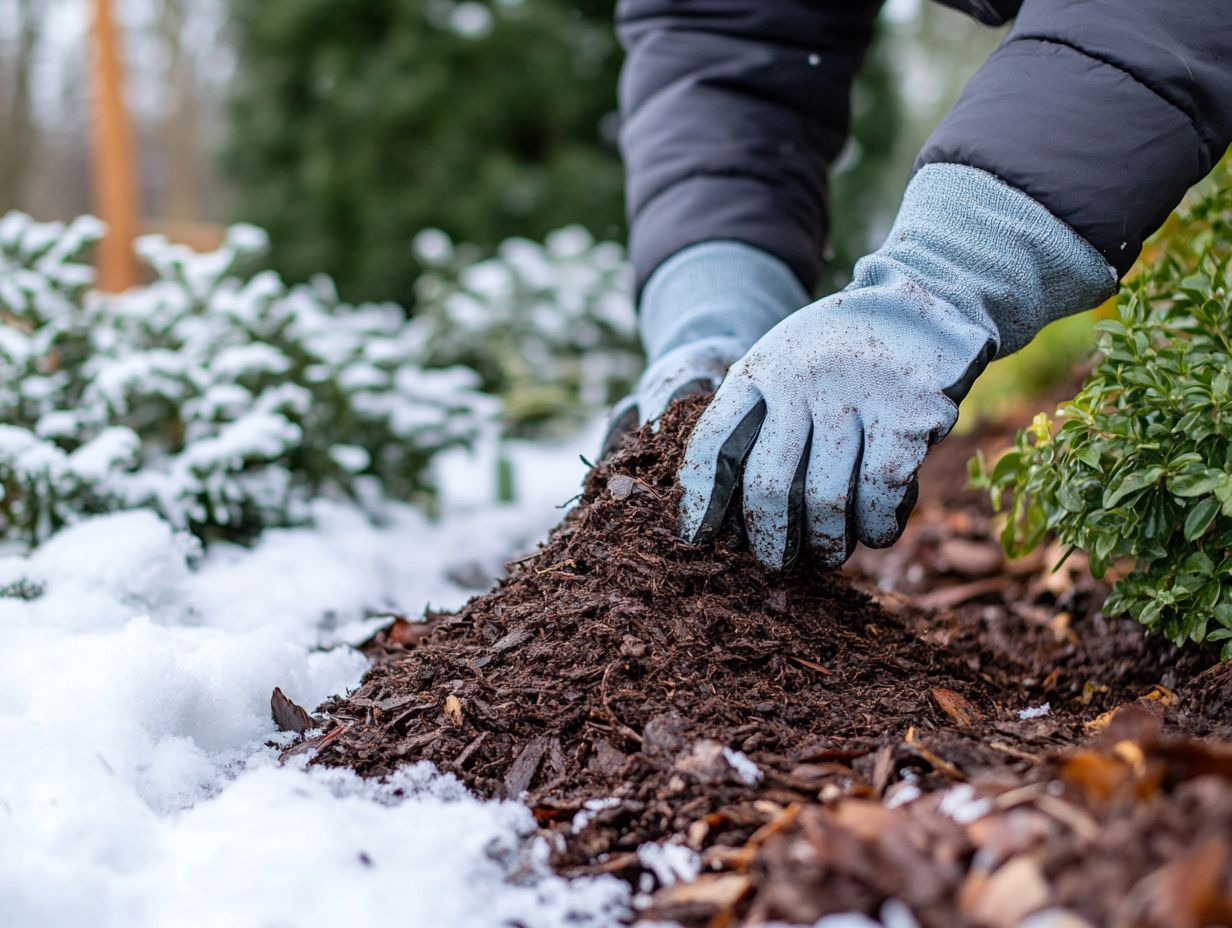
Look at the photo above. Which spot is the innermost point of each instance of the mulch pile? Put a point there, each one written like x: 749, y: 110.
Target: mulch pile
x: 933, y: 728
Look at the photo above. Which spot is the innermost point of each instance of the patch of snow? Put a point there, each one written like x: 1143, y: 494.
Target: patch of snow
x: 961, y: 804
x: 432, y: 246
x: 670, y: 863
x: 581, y: 821
x: 746, y: 771
x: 905, y: 793
x: 1035, y: 712
x: 136, y: 784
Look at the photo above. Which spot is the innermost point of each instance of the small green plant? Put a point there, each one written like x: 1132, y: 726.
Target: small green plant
x: 1136, y: 470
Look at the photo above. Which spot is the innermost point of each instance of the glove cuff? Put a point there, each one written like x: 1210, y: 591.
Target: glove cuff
x: 716, y: 289
x: 993, y: 252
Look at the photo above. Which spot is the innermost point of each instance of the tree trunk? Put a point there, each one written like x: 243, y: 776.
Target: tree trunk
x: 115, y: 176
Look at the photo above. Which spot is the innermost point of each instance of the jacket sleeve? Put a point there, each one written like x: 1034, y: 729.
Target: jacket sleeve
x: 732, y: 110
x: 1104, y: 111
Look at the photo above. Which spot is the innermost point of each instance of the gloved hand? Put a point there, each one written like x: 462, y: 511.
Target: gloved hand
x: 700, y: 311
x: 832, y: 411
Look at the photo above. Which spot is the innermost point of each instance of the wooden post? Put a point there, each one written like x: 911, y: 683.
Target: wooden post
x: 114, y: 169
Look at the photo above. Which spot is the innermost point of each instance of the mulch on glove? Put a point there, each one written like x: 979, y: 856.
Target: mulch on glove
x: 802, y: 734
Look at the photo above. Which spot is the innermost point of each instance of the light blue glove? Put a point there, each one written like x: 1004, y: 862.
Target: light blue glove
x: 701, y: 310
x: 827, y: 419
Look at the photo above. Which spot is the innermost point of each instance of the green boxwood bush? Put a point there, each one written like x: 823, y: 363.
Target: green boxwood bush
x: 1136, y: 470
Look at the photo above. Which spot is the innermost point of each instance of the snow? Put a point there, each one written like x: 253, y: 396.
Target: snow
x: 1035, y: 712
x: 581, y: 821
x: 136, y: 785
x: 670, y: 863
x: 962, y: 805
x: 746, y: 770
x: 903, y: 794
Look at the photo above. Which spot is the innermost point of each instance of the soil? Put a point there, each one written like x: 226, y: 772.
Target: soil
x: 933, y: 727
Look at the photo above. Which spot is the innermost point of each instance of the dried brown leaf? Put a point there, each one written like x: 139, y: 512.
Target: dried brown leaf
x: 957, y: 706
x: 288, y: 715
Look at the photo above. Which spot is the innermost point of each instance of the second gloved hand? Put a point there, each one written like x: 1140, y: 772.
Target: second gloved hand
x: 700, y: 312
x: 825, y: 422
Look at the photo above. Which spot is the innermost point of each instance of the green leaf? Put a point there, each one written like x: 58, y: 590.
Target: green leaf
x: 1089, y: 455
x: 1195, y: 484
x: 1223, y: 615
x: 1110, y: 326
x: 1134, y: 483
x: 1006, y: 466
x: 1200, y: 518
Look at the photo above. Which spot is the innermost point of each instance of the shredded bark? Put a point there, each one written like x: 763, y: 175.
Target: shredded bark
x: 804, y: 730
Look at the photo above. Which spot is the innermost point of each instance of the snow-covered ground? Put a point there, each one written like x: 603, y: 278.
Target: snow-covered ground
x: 136, y: 787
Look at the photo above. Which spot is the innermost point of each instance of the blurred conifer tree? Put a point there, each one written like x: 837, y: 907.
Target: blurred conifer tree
x: 355, y: 125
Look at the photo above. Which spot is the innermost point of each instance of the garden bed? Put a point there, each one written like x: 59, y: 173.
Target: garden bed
x: 933, y: 726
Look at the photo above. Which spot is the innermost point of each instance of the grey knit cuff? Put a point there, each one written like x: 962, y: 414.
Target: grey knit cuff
x: 994, y: 252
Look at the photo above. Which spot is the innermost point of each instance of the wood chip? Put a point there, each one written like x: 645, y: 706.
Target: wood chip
x: 708, y: 895
x: 621, y: 486
x: 513, y: 639
x: 453, y: 709
x: 810, y: 664
x: 939, y: 763
x: 524, y: 767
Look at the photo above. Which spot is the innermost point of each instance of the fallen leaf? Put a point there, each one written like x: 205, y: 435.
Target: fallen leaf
x: 957, y: 706
x: 1005, y: 898
x: 1160, y: 694
x: 289, y: 716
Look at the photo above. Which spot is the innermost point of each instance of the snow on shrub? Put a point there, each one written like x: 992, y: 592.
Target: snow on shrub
x: 1138, y: 466
x: 220, y: 398
x: 549, y: 327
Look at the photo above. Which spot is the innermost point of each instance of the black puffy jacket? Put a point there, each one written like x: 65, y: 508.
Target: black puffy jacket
x: 1105, y: 111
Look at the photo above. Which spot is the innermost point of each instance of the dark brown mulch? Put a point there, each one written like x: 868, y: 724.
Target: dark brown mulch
x: 742, y: 712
